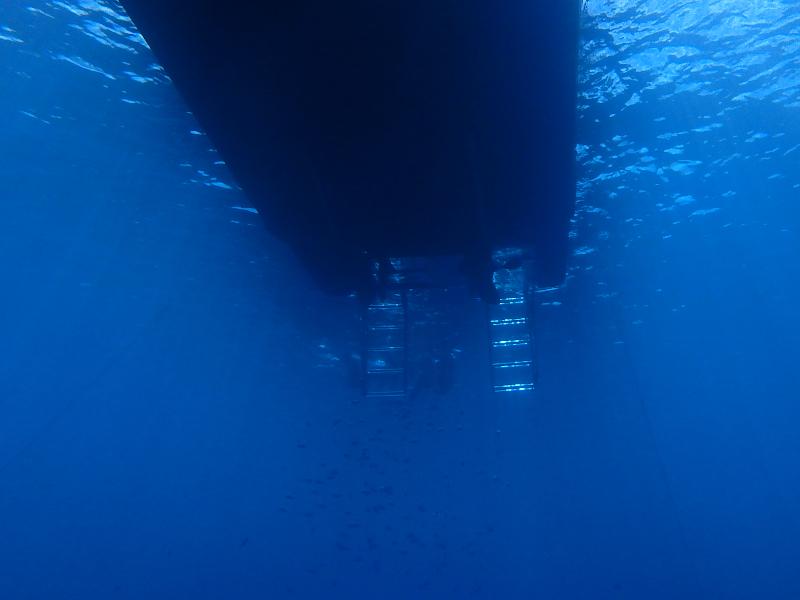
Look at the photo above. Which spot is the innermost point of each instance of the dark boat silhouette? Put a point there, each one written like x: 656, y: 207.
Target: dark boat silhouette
x: 368, y: 129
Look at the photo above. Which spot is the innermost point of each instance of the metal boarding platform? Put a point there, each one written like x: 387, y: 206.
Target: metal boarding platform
x: 512, y: 351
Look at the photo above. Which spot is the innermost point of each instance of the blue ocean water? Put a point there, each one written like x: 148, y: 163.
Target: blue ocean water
x: 175, y: 414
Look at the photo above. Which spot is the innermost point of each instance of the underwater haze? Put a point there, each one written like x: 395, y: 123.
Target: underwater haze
x: 177, y: 419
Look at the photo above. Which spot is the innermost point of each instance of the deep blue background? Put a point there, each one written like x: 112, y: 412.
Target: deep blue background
x: 175, y: 421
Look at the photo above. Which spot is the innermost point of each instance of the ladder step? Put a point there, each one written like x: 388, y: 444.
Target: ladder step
x: 511, y: 343
x: 516, y: 364
x: 515, y: 387
x: 509, y: 321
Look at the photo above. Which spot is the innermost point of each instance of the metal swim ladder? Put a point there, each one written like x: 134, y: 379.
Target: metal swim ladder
x: 384, y: 355
x: 513, y: 367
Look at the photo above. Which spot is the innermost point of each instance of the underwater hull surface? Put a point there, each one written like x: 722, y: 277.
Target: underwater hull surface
x: 397, y: 128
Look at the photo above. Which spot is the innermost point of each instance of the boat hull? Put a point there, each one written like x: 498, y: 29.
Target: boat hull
x: 364, y: 129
